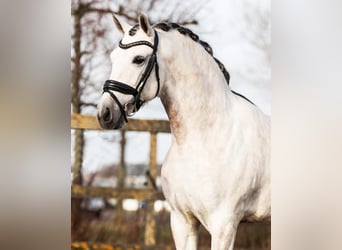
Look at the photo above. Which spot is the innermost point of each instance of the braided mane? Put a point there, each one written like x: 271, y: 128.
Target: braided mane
x: 165, y: 26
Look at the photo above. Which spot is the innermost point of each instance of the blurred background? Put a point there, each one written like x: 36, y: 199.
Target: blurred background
x: 239, y: 33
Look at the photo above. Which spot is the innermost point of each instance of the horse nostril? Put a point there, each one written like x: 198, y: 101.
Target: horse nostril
x: 106, y: 115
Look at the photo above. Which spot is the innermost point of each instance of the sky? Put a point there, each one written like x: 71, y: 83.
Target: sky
x: 228, y: 26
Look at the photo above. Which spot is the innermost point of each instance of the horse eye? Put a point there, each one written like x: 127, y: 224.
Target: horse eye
x: 138, y: 59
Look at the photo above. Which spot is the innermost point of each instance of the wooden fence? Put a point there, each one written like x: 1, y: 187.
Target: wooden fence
x: 150, y: 193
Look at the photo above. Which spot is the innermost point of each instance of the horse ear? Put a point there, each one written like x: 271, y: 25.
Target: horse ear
x: 145, y: 24
x: 121, y: 25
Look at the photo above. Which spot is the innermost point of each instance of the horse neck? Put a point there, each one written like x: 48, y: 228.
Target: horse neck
x: 195, y: 94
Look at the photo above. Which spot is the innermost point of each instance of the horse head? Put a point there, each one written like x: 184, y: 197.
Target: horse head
x: 134, y: 77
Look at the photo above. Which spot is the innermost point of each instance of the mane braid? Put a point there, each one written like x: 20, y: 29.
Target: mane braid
x: 166, y: 26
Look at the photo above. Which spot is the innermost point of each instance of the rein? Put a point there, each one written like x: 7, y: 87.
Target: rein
x: 112, y: 85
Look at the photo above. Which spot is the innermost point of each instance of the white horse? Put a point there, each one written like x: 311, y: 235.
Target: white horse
x: 217, y: 171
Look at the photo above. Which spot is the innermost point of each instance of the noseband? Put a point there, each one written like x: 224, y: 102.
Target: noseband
x: 112, y: 85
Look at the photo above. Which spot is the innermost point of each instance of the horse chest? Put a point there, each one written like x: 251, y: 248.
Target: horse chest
x: 181, y: 196
x: 189, y: 186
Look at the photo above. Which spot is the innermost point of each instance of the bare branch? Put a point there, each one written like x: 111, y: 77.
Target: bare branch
x: 89, y: 104
x: 188, y: 22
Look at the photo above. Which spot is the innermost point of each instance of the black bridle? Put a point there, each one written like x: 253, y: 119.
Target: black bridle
x: 112, y: 85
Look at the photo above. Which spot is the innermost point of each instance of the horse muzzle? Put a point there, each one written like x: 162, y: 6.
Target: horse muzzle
x: 108, y: 116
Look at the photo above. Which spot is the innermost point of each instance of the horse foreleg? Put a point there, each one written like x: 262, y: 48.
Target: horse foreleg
x: 223, y: 236
x: 184, y: 231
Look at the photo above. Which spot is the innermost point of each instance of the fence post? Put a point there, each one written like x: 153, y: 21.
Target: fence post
x: 150, y: 226
x: 122, y: 168
x: 77, y: 180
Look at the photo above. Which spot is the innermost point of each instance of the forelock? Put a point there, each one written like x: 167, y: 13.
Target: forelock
x: 134, y: 30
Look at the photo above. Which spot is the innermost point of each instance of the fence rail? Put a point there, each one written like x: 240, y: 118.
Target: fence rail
x: 78, y: 191
x: 90, y: 122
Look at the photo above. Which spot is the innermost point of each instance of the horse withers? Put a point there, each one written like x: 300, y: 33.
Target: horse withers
x: 217, y: 170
